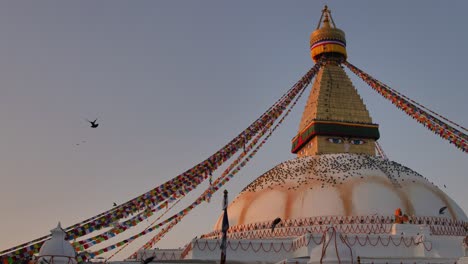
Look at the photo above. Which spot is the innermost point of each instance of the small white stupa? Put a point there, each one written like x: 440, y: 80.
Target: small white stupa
x: 57, y: 250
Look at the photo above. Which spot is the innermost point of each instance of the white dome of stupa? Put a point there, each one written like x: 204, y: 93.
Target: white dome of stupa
x: 339, y: 185
x: 57, y: 250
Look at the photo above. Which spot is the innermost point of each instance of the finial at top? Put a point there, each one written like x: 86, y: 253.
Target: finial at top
x: 327, y: 39
x: 325, y: 18
x: 58, y: 231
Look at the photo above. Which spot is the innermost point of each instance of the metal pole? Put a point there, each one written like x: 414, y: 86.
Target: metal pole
x: 225, y: 227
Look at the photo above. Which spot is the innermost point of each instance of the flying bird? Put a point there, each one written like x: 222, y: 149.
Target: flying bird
x: 114, y: 204
x: 274, y: 223
x: 148, y: 260
x: 93, y: 123
x: 442, y: 210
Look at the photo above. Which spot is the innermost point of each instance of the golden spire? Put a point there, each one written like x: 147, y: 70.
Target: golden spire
x: 335, y: 118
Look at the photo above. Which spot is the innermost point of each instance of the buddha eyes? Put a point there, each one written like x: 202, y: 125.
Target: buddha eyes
x: 335, y: 140
x: 351, y: 141
x: 357, y: 141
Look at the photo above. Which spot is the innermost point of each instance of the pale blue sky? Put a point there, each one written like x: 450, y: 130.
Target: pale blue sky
x: 171, y: 82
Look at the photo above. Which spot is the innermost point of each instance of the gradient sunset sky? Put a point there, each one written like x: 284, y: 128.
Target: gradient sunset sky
x: 171, y: 82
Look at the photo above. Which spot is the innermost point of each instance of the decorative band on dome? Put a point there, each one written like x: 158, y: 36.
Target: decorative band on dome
x: 327, y: 46
x: 325, y: 42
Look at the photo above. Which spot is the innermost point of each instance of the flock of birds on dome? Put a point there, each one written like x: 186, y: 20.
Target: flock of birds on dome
x: 329, y: 171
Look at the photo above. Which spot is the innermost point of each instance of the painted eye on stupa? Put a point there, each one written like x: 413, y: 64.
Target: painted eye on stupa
x: 357, y: 141
x: 335, y: 140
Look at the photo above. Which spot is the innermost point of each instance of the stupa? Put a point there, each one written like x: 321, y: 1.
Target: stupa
x: 338, y: 201
x: 57, y: 250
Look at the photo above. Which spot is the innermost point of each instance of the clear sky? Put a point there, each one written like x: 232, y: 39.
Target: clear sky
x: 171, y: 82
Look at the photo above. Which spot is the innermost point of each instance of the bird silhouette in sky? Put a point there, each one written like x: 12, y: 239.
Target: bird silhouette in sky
x: 442, y: 210
x: 82, y: 142
x: 93, y: 123
x: 114, y: 204
x: 275, y: 222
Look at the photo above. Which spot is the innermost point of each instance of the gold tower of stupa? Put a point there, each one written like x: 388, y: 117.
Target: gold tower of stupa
x: 335, y: 118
